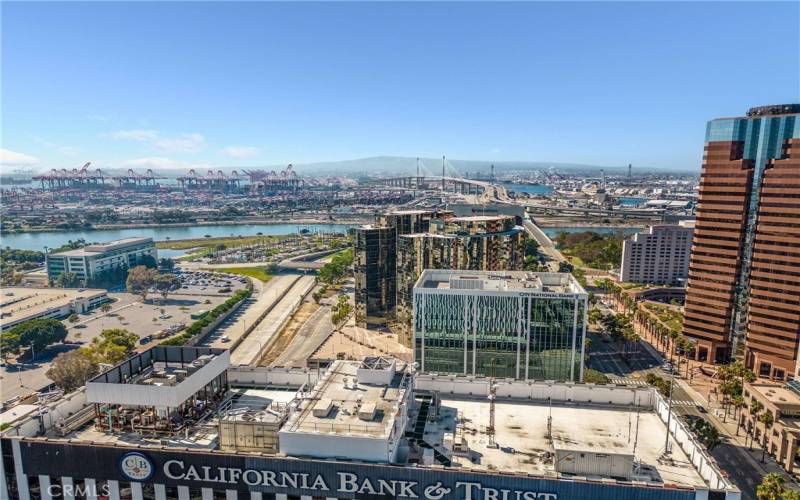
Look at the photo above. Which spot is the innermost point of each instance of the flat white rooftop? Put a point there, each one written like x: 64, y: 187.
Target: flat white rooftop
x: 108, y: 246
x: 19, y: 303
x: 524, y: 445
x: 258, y: 405
x: 498, y: 281
x: 339, y: 406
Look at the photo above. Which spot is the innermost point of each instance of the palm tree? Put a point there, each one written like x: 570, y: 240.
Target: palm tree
x: 689, y: 346
x: 738, y: 404
x: 755, y: 409
x: 767, y: 419
x: 673, y: 336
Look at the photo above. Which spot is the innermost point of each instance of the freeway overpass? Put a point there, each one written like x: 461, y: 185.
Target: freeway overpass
x: 483, y: 191
x: 306, y: 262
x: 546, y: 245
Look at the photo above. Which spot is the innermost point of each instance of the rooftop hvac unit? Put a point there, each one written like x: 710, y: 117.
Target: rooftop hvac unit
x: 466, y: 283
x: 322, y: 408
x: 367, y: 411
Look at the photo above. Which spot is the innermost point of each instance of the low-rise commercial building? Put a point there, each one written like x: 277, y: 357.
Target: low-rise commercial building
x: 781, y: 438
x: 658, y: 256
x: 92, y: 261
x: 510, y: 324
x: 20, y: 304
x: 362, y: 429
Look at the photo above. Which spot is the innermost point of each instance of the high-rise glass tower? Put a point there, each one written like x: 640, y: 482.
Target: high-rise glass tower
x: 743, y: 296
x: 375, y: 262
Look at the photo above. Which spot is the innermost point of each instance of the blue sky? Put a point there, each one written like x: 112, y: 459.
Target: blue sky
x: 226, y: 84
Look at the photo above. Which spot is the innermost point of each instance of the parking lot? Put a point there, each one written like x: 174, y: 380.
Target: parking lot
x: 206, y: 283
x: 199, y: 291
x: 145, y: 319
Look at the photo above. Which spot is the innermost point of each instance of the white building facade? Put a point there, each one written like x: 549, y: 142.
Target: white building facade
x: 658, y: 256
x: 91, y: 260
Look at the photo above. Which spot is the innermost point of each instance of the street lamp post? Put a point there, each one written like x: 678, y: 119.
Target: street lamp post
x: 669, y: 411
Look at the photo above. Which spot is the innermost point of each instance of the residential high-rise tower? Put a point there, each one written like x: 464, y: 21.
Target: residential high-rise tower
x: 375, y: 262
x: 659, y: 256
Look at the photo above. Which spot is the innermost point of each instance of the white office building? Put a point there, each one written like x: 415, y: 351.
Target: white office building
x: 658, y: 256
x: 91, y: 260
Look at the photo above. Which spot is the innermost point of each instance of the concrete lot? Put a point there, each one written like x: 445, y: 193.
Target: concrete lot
x: 128, y: 312
x: 143, y: 319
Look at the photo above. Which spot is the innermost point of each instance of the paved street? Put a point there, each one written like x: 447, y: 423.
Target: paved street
x: 313, y: 333
x: 254, y: 344
x: 264, y: 296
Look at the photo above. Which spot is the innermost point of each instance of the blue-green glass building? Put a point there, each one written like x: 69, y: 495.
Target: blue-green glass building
x: 504, y: 324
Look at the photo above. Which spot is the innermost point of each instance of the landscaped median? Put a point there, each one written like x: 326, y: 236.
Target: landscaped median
x: 259, y: 273
x: 201, y: 326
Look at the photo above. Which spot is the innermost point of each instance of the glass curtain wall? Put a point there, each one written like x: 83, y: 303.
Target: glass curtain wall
x: 499, y: 336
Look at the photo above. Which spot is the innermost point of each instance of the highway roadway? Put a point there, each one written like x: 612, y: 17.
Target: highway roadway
x: 309, y: 337
x: 254, y: 345
x: 546, y: 245
x: 266, y: 294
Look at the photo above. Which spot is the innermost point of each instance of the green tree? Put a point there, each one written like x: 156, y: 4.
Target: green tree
x: 166, y: 264
x: 39, y: 333
x: 166, y: 283
x: 112, y: 346
x: 148, y: 261
x: 9, y: 345
x: 341, y: 310
x: 595, y: 315
x: 738, y: 403
x: 791, y: 495
x: 767, y: 420
x: 70, y: 370
x: 755, y: 411
x: 105, y: 307
x: 771, y: 487
x: 67, y: 280
x: 140, y: 280
x: 594, y: 377
x: 531, y: 248
x: 339, y: 266
x: 73, y: 318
